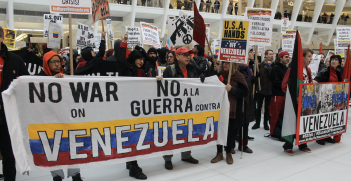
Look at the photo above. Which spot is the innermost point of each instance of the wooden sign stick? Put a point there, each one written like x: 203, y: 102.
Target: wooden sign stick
x: 70, y: 44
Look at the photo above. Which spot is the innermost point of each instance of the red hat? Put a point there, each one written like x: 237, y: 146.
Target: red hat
x: 183, y: 50
x: 282, y: 53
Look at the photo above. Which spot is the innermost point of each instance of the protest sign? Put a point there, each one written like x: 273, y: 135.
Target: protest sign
x: 330, y: 53
x: 234, y: 43
x: 160, y: 70
x: 70, y: 7
x: 285, y: 25
x: 91, y: 39
x: 314, y: 65
x: 208, y: 31
x: 180, y: 30
x: 78, y: 122
x: 261, y: 21
x: 100, y: 9
x: 21, y: 44
x: 54, y: 35
x: 150, y: 35
x: 215, y: 46
x: 109, y: 29
x: 323, y: 111
x: 134, y: 38
x: 337, y: 50
x: 343, y: 35
x: 58, y: 19
x: 288, y: 42
x: 261, y: 49
x: 9, y: 38
x: 83, y: 35
x: 98, y: 41
x: 33, y: 63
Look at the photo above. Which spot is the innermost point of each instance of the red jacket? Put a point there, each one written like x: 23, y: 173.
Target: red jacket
x: 286, y: 79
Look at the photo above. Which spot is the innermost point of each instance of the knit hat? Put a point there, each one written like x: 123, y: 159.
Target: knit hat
x: 336, y: 56
x: 282, y: 53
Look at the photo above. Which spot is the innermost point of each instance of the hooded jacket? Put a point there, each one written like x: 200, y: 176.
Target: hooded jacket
x: 162, y: 55
x: 133, y: 69
x: 86, y: 54
x: 118, y: 44
x: 13, y: 67
x: 324, y: 75
x: 277, y: 76
x: 46, y: 69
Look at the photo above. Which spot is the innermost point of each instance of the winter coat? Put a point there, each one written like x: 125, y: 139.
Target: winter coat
x: 265, y: 79
x: 192, y: 73
x: 323, y: 76
x: 277, y: 76
x: 249, y: 101
x: 99, y: 55
x: 200, y: 64
x: 321, y: 67
x: 162, y: 55
x: 13, y: 68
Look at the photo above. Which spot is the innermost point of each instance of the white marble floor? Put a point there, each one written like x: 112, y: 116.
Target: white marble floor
x: 268, y: 162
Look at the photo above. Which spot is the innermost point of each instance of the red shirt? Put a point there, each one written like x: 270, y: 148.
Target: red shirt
x: 185, y: 73
x: 1, y: 66
x: 333, y: 77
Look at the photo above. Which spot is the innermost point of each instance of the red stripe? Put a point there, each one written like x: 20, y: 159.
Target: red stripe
x: 64, y: 158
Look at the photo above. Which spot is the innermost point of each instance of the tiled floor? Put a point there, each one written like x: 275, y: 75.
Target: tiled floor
x: 268, y: 162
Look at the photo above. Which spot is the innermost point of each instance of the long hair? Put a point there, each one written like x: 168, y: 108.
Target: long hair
x: 201, y: 50
x: 235, y: 67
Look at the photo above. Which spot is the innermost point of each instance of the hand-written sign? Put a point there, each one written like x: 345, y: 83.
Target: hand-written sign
x: 100, y: 9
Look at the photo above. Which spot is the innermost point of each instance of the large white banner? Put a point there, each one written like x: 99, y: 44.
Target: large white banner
x: 262, y: 26
x: 180, y: 30
x: 134, y: 38
x: 150, y: 35
x: 70, y: 7
x: 58, y: 19
x: 314, y: 65
x: 77, y: 122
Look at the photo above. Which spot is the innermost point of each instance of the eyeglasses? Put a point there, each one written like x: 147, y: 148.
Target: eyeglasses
x: 55, y: 62
x: 186, y: 54
x: 170, y: 57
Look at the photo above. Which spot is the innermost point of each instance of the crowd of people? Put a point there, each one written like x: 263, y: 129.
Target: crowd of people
x: 245, y: 106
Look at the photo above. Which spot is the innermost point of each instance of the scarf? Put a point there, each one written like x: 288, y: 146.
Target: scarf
x: 247, y: 70
x: 236, y: 79
x: 225, y: 74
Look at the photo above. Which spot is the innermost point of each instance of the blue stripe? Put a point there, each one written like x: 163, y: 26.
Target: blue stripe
x: 199, y: 129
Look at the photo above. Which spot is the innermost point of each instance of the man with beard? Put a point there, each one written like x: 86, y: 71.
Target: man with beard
x: 321, y: 63
x: 153, y: 60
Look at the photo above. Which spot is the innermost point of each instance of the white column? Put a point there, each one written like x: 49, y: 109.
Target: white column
x: 297, y: 6
x: 164, y: 20
x: 197, y: 3
x: 281, y: 5
x: 250, y: 3
x: 132, y: 17
x: 339, y: 6
x: 317, y: 9
x: 225, y: 4
x: 96, y: 27
x: 10, y: 15
x: 274, y: 5
x: 240, y: 4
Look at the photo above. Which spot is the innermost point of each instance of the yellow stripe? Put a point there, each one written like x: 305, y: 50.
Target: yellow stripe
x: 198, y: 118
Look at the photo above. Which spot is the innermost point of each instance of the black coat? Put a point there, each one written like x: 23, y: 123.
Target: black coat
x: 249, y: 101
x: 13, y: 68
x: 265, y: 79
x: 200, y: 64
x: 277, y: 76
x: 324, y: 75
x: 179, y: 74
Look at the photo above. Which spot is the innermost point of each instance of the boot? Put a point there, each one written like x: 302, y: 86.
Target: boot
x: 77, y: 178
x: 136, y: 172
x: 229, y: 158
x: 57, y: 178
x: 128, y: 165
x: 218, y: 158
x: 265, y: 124
x: 256, y: 126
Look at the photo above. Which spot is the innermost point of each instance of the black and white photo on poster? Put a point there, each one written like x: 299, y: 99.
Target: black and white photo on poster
x: 324, y: 110
x: 58, y: 19
x: 180, y: 30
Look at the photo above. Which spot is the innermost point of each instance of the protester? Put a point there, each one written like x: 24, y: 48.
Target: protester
x: 237, y: 89
x: 117, y: 45
x: 89, y: 56
x: 265, y: 93
x: 110, y: 52
x: 322, y: 65
x: 278, y: 96
x: 200, y: 62
x: 307, y: 78
x: 170, y: 59
x: 153, y: 60
x: 52, y: 66
x: 331, y: 74
x: 162, y: 52
x: 342, y: 63
x: 181, y: 69
x: 14, y: 68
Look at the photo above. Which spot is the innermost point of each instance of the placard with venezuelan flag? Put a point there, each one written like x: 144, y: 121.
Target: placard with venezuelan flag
x: 77, y: 122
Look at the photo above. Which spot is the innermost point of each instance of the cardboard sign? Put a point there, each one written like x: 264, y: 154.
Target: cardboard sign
x: 215, y: 46
x: 314, y: 65
x: 323, y: 111
x: 234, y: 43
x: 150, y: 35
x: 109, y: 29
x: 54, y: 35
x: 100, y: 9
x: 285, y: 25
x: 134, y: 37
x: 70, y: 7
x: 9, y: 37
x: 73, y: 122
x: 53, y: 19
x: 261, y: 21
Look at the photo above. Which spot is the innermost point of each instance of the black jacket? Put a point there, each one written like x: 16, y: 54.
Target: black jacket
x: 324, y: 75
x: 277, y: 76
x: 179, y: 74
x: 13, y: 68
x: 321, y: 67
x: 200, y: 64
x: 99, y: 55
x: 265, y: 79
x: 249, y: 101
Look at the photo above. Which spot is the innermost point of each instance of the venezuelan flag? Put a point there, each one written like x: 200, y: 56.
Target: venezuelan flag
x: 55, y: 34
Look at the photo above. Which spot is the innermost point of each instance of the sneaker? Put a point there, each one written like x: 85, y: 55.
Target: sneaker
x: 57, y: 178
x: 136, y: 172
x: 250, y: 138
x: 217, y: 158
x: 191, y: 160
x: 168, y: 165
x: 321, y: 142
x: 289, y: 152
x: 307, y: 150
x: 77, y: 178
x: 329, y: 140
x: 256, y: 126
x: 229, y: 158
